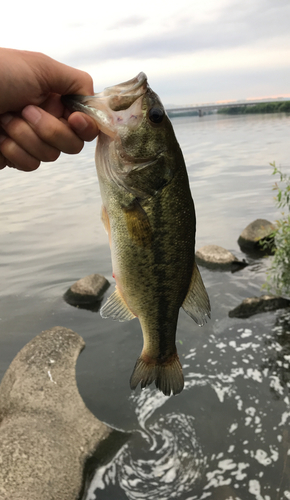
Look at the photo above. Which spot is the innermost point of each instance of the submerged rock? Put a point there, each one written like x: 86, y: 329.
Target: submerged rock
x: 87, y: 292
x: 216, y: 257
x: 47, y: 434
x: 256, y: 232
x: 256, y: 305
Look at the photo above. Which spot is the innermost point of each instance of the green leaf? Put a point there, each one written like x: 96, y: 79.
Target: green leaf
x: 278, y: 274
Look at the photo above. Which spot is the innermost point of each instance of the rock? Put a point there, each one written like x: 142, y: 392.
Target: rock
x: 256, y: 305
x: 47, y: 434
x: 257, y: 231
x: 87, y: 292
x: 216, y: 257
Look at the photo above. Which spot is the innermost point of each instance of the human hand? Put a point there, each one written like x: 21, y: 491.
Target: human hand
x: 34, y: 125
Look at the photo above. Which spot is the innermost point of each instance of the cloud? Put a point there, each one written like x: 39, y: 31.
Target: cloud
x: 128, y: 22
x: 245, y: 24
x: 187, y: 88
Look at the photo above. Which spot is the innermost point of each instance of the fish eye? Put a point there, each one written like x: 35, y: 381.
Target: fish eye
x: 156, y: 115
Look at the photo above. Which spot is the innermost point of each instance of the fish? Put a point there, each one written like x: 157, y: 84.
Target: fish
x: 149, y: 215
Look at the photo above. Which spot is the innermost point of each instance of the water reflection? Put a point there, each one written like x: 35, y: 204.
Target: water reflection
x: 278, y: 361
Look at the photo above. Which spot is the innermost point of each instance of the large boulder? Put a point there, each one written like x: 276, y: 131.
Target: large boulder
x: 258, y: 231
x: 216, y: 257
x: 47, y: 434
x: 87, y: 292
x: 256, y: 305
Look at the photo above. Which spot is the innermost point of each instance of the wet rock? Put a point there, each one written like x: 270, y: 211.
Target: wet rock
x: 87, y: 292
x: 216, y: 257
x: 256, y: 232
x: 47, y: 435
x: 256, y: 305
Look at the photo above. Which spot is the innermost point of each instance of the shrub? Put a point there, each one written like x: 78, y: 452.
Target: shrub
x: 278, y: 274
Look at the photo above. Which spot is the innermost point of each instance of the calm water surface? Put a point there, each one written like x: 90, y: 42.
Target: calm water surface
x: 227, y: 435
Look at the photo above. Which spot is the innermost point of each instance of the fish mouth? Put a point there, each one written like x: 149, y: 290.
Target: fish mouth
x: 102, y: 106
x: 117, y: 97
x: 123, y: 95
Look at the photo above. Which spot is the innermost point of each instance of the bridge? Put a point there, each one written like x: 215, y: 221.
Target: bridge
x: 201, y: 109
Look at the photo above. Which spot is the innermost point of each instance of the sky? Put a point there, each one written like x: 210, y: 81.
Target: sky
x: 196, y: 51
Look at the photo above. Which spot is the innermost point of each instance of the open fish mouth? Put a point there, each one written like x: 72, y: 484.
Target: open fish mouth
x: 131, y: 85
x: 118, y: 97
x: 104, y: 106
x: 123, y: 95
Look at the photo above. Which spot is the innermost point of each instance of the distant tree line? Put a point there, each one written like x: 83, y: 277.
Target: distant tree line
x: 263, y: 107
x: 177, y: 114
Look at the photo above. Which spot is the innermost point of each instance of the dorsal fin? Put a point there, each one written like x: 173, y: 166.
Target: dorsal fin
x: 196, y: 303
x: 116, y: 308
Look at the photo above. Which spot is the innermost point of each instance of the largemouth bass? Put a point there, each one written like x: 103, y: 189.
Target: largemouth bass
x: 149, y: 215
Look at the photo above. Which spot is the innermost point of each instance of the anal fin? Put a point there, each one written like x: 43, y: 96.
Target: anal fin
x: 196, y: 303
x: 116, y: 308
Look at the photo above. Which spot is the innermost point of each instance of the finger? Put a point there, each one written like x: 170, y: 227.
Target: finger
x: 21, y: 133
x: 17, y: 157
x: 52, y: 131
x: 3, y: 162
x: 53, y: 105
x: 84, y: 126
x: 2, y: 159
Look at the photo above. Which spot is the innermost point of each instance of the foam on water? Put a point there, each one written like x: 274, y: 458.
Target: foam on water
x: 172, y: 461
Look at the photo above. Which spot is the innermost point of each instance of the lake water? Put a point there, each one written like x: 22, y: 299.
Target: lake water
x: 227, y: 435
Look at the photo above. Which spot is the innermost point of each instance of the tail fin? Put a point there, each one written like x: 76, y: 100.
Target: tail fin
x: 168, y: 376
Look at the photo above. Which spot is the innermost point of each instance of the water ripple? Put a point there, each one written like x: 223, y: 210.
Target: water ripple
x: 172, y: 459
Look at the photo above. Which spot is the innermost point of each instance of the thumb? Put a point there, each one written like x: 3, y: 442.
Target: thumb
x: 84, y: 126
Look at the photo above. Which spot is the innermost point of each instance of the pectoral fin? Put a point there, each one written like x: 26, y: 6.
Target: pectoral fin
x: 138, y: 224
x: 106, y: 222
x: 116, y: 308
x: 105, y: 219
x: 147, y: 179
x: 196, y: 303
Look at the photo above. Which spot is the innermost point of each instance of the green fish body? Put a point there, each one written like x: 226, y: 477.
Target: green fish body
x: 148, y: 213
